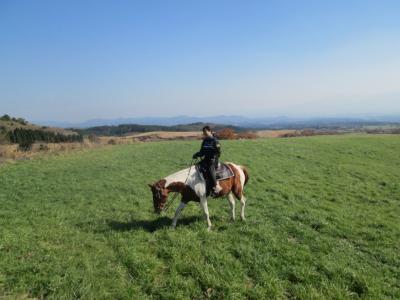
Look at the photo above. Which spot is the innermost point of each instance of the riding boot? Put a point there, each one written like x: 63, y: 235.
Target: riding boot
x: 216, y: 188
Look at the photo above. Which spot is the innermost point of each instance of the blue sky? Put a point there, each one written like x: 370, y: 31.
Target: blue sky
x: 78, y: 60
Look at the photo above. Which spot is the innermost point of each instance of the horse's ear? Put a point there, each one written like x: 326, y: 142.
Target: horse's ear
x: 150, y: 185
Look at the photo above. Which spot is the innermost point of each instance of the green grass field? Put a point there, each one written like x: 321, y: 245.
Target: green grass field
x: 322, y: 223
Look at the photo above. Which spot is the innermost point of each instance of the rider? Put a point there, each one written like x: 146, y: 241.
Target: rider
x: 210, y: 152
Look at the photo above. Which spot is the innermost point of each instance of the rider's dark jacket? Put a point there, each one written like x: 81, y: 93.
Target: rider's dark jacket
x: 210, y: 149
x: 209, y: 152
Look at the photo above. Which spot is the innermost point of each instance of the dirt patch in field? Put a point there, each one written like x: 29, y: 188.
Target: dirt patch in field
x: 150, y: 137
x: 165, y: 135
x: 12, y: 152
x: 273, y: 133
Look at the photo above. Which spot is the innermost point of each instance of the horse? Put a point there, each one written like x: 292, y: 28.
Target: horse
x: 191, y: 185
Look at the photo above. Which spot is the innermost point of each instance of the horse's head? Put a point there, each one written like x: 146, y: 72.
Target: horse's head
x: 160, y: 195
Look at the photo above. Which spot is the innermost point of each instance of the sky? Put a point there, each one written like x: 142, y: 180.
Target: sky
x: 79, y: 60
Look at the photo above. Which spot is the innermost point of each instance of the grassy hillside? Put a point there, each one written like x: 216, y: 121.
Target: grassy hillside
x: 20, y: 131
x: 11, y: 123
x: 322, y: 222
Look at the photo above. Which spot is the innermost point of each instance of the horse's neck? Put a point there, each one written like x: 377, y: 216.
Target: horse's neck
x: 179, y: 176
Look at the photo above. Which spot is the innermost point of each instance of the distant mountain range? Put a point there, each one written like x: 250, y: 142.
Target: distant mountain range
x: 239, y: 121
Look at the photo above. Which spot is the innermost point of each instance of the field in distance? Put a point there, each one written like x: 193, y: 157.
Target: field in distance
x: 322, y: 222
x: 176, y: 135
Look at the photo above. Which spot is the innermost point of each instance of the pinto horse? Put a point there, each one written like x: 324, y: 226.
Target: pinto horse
x: 192, y: 186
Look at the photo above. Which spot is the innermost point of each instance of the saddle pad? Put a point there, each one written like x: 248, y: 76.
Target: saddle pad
x: 224, y: 172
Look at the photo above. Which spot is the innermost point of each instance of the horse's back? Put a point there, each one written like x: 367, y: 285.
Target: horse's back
x: 240, y: 179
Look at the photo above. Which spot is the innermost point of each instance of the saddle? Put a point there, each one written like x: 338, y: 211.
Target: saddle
x: 223, y: 171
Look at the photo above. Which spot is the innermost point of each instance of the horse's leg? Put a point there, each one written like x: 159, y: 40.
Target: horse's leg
x: 242, y: 197
x: 231, y: 201
x: 238, y: 192
x: 204, y: 206
x: 177, y: 213
x: 243, y: 204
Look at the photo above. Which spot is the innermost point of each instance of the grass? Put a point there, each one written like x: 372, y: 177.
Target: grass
x: 322, y: 223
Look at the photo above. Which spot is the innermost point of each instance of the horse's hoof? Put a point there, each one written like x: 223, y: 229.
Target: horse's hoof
x: 209, y: 229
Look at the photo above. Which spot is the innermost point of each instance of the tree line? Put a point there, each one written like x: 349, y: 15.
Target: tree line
x: 123, y: 129
x: 26, y: 137
x: 18, y: 120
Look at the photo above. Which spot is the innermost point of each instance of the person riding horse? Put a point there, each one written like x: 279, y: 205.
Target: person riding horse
x: 210, y: 152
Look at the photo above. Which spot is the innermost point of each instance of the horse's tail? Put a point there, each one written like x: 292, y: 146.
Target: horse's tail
x: 246, y: 174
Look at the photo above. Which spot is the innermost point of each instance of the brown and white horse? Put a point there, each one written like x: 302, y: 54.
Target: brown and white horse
x: 191, y: 185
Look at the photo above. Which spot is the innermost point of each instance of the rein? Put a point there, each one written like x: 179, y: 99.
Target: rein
x: 169, y: 203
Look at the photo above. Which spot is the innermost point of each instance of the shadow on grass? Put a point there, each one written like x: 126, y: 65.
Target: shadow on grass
x: 149, y: 225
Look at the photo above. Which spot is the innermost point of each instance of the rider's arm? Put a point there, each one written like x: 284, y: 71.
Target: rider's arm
x: 200, y: 153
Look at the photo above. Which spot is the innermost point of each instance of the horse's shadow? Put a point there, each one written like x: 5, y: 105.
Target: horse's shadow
x: 149, y: 225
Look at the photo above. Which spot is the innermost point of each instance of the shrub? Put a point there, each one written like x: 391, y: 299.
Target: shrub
x: 25, y: 146
x: 5, y: 118
x: 21, y: 121
x: 290, y: 134
x: 396, y: 131
x: 3, y: 139
x: 226, y: 134
x: 307, y: 132
x: 93, y: 138
x: 43, y: 147
x: 247, y: 135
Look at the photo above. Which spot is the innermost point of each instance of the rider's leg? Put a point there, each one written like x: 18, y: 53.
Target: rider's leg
x: 216, y: 187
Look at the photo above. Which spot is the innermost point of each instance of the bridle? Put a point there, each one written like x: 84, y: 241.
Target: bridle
x: 171, y: 201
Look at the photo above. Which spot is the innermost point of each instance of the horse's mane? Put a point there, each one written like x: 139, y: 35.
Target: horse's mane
x: 179, y: 176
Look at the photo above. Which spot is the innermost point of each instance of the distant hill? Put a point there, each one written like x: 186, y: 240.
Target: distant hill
x: 161, y: 121
x: 9, y: 123
x: 280, y: 122
x: 126, y: 129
